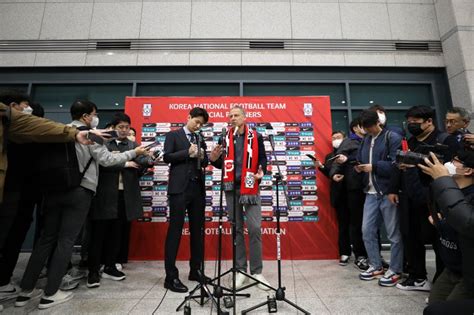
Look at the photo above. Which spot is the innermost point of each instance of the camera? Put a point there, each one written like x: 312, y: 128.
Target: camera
x: 411, y: 158
x: 422, y: 152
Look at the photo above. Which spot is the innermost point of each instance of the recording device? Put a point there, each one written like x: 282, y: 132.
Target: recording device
x: 95, y: 138
x: 272, y: 304
x: 312, y: 157
x: 152, y: 145
x: 415, y: 158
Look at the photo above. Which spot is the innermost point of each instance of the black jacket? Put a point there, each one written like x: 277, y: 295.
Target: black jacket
x: 352, y: 180
x: 176, y: 153
x: 336, y: 193
x: 459, y: 214
x: 105, y: 203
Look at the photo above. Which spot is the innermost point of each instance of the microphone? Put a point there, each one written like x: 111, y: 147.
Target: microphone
x: 236, y: 129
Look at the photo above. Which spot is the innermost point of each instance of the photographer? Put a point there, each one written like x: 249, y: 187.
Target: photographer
x: 453, y: 194
x: 413, y: 186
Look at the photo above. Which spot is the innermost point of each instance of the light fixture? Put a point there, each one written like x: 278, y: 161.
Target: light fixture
x: 116, y: 104
x: 343, y: 102
x: 371, y: 102
x: 61, y: 105
x: 399, y: 102
x: 110, y: 53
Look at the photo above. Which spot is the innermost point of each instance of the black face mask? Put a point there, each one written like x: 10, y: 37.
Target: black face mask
x: 415, y: 129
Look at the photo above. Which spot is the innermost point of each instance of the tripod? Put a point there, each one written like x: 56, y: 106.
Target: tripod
x: 202, y: 287
x: 280, y: 291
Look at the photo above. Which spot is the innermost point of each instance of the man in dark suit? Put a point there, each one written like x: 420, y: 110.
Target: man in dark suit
x: 185, y: 151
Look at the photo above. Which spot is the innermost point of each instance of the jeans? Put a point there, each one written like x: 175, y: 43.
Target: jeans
x: 378, y: 209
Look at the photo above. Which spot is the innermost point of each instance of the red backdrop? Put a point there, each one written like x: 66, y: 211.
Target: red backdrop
x: 299, y: 240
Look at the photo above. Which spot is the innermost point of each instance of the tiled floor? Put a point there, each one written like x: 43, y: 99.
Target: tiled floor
x: 320, y: 287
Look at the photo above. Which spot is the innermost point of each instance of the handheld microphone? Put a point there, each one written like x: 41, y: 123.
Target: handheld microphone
x: 236, y: 129
x: 270, y: 133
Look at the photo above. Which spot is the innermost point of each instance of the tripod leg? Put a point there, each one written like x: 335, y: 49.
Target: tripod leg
x: 296, y: 306
x: 254, y: 307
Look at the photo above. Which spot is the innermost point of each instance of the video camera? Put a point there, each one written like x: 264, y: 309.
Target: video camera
x: 422, y: 152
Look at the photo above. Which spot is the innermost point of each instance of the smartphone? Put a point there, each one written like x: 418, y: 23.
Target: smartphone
x: 354, y: 162
x: 112, y: 133
x: 152, y: 145
x: 95, y: 138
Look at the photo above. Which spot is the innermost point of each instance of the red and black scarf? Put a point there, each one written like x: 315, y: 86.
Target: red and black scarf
x: 248, y: 185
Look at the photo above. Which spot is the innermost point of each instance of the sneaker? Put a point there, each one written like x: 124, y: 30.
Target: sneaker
x: 24, y: 297
x: 7, y: 291
x: 344, y: 260
x: 411, y: 284
x: 262, y: 279
x: 361, y: 263
x: 113, y: 273
x: 76, y: 273
x: 53, y: 300
x: 240, y: 280
x: 390, y: 278
x: 68, y: 283
x: 371, y: 273
x: 93, y: 280
x: 119, y: 267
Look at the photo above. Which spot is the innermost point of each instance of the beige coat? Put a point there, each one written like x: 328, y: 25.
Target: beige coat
x: 23, y: 128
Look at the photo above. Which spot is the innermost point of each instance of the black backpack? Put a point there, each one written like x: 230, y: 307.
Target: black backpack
x: 59, y: 167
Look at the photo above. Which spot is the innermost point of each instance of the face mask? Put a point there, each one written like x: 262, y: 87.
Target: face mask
x: 451, y: 168
x: 336, y: 143
x: 28, y: 110
x: 94, y: 122
x: 382, y: 118
x: 415, y: 129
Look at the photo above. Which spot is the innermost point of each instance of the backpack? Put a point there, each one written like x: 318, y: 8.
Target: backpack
x: 59, y: 167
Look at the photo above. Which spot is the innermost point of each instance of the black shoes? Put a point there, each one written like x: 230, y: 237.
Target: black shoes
x: 195, y: 275
x: 176, y: 285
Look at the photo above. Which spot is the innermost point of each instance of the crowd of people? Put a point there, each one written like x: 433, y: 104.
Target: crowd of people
x: 384, y: 180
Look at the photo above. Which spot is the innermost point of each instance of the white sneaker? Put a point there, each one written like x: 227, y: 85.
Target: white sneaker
x: 53, y: 300
x: 76, y: 273
x: 240, y: 280
x: 119, y: 267
x: 24, y: 297
x: 262, y: 279
x: 7, y: 291
x: 68, y: 283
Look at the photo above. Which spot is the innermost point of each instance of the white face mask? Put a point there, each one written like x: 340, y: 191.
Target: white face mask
x: 451, y: 168
x: 336, y: 143
x: 382, y: 118
x: 27, y: 110
x: 94, y: 122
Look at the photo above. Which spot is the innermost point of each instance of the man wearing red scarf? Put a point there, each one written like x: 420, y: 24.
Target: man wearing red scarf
x: 247, y: 156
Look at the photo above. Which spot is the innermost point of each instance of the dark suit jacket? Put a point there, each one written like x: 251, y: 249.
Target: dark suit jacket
x: 176, y: 153
x: 105, y: 203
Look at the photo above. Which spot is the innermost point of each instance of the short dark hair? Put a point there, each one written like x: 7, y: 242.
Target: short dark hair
x: 199, y: 112
x: 120, y: 117
x: 463, y: 113
x: 81, y: 107
x: 13, y: 96
x: 108, y: 125
x: 420, y: 111
x: 377, y: 107
x: 368, y: 118
x: 339, y: 131
x: 38, y: 110
x: 354, y: 123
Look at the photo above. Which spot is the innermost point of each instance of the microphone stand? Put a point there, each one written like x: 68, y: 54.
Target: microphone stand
x: 205, y: 292
x: 280, y: 291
